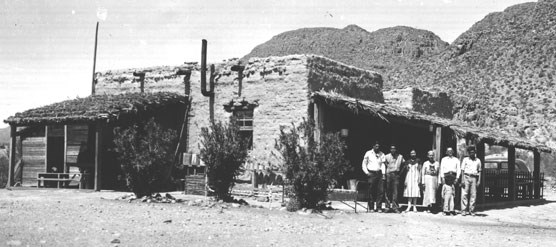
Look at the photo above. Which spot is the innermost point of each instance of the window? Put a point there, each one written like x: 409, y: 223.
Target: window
x: 244, y: 119
x: 242, y: 113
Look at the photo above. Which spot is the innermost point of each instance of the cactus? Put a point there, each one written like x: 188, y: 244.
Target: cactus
x: 207, y: 93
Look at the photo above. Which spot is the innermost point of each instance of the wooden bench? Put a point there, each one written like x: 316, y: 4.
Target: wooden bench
x: 61, y: 179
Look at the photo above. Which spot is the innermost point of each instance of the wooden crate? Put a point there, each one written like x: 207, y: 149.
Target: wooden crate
x: 195, y: 184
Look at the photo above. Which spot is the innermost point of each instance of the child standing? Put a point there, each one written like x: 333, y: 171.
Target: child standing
x: 448, y: 193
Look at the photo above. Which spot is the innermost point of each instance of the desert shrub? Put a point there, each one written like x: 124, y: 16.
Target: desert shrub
x: 293, y: 205
x: 224, y: 151
x: 311, y: 168
x: 145, y: 152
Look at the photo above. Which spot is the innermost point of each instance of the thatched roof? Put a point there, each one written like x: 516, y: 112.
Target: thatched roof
x: 96, y: 108
x: 389, y: 112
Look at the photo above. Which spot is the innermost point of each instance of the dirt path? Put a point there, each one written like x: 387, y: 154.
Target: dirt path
x: 74, y: 218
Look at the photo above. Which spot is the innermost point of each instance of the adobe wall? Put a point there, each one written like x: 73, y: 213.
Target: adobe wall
x: 280, y: 85
x: 431, y: 103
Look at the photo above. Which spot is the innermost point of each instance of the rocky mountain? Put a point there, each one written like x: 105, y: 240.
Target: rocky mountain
x: 501, y: 72
x: 381, y: 51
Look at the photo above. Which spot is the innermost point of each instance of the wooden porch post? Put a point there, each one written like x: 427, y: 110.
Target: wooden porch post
x: 438, y: 143
x: 537, y: 174
x: 433, y: 141
x: 66, y: 148
x: 480, y: 145
x: 11, y: 168
x: 318, y: 118
x: 46, y: 148
x: 98, y: 156
x: 512, y: 192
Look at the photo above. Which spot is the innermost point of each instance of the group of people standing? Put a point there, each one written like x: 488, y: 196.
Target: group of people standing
x: 427, y: 177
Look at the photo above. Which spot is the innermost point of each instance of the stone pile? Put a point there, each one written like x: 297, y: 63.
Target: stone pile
x: 156, y: 198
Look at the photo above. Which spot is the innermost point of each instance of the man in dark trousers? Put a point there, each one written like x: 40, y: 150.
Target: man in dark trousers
x: 450, y: 170
x: 373, y: 166
x: 393, y: 164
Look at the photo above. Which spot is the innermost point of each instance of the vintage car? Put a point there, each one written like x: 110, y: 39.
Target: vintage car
x: 500, y: 162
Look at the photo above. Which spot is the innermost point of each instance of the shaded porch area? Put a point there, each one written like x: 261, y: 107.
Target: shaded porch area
x: 364, y: 122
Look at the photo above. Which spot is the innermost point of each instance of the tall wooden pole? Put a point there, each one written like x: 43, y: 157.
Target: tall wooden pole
x: 94, y: 62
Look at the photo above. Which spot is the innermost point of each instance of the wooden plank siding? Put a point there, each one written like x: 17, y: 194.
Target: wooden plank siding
x: 34, y: 156
x: 55, y: 131
x: 77, y: 134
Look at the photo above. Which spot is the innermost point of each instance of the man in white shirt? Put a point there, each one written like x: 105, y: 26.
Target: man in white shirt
x: 449, y: 165
x: 373, y: 166
x: 449, y: 173
x: 471, y: 169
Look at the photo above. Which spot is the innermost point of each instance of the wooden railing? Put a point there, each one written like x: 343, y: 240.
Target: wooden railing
x: 496, y: 185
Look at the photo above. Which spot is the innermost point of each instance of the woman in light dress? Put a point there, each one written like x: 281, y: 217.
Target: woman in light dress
x: 412, y: 180
x: 429, y: 174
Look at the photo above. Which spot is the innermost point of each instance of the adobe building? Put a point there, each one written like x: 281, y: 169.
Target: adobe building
x: 270, y: 92
x: 263, y: 95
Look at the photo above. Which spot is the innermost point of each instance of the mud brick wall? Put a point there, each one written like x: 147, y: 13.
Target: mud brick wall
x: 432, y: 103
x: 399, y: 97
x: 280, y: 85
x: 329, y: 75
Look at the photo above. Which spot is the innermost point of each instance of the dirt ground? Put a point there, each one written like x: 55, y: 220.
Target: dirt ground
x: 48, y: 217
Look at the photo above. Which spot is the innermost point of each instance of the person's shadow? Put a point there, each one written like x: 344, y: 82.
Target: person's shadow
x: 481, y: 214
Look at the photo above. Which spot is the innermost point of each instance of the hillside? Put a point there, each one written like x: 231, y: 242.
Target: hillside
x: 501, y: 72
x: 381, y: 51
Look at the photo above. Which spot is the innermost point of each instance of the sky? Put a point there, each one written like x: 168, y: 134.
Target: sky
x: 46, y: 46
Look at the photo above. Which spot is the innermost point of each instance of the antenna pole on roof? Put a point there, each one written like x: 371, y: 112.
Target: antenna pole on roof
x: 94, y: 82
x: 141, y: 78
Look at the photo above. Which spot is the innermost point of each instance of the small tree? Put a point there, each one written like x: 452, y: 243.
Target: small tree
x: 224, y: 151
x: 311, y: 168
x: 145, y: 152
